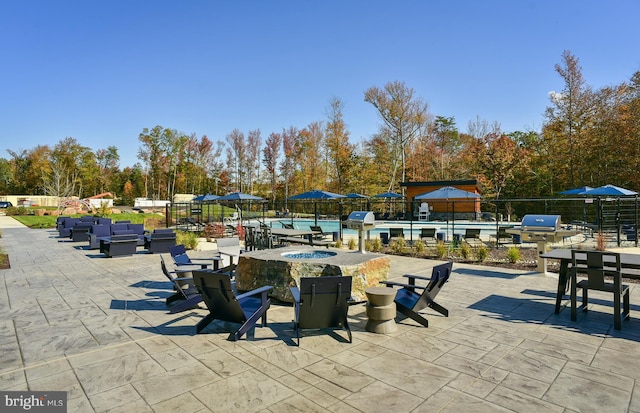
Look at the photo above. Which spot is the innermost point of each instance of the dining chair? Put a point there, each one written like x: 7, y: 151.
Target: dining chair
x: 598, y: 266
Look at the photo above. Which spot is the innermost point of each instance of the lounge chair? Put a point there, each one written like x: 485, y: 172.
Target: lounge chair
x: 224, y: 305
x: 322, y: 302
x: 599, y: 265
x: 185, y: 290
x: 428, y: 235
x: 411, y: 298
x: 321, y: 234
x: 472, y: 237
x: 180, y: 258
x: 502, y: 236
x: 160, y: 240
x: 396, y: 233
x: 96, y: 233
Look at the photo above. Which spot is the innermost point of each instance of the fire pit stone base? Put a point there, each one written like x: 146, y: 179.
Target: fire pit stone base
x: 270, y: 267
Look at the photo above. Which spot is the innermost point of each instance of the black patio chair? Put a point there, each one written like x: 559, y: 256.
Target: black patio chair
x: 224, y: 305
x: 322, y: 302
x: 411, y: 298
x: 186, y: 292
x: 180, y: 258
x: 396, y: 233
x: 599, y: 266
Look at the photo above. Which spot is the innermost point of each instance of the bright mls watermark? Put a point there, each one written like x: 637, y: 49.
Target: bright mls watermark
x: 33, y: 401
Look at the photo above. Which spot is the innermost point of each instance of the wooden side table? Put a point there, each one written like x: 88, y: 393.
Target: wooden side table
x: 381, y: 310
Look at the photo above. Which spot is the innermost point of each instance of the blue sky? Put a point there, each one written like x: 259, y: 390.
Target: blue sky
x: 101, y: 71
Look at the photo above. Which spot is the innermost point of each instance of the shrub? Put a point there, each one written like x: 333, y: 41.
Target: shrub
x: 482, y: 252
x: 398, y: 245
x: 513, y: 254
x: 419, y: 247
x: 338, y: 243
x: 352, y: 244
x: 376, y: 245
x: 16, y: 210
x: 465, y: 250
x: 441, y: 249
x: 187, y: 238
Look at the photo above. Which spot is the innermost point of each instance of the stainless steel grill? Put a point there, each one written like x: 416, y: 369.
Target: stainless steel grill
x: 362, y: 221
x: 542, y: 229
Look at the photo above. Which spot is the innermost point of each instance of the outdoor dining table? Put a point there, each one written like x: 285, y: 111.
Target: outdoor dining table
x: 630, y: 264
x: 287, y: 233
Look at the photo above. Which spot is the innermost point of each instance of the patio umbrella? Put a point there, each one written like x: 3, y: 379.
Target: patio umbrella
x: 609, y: 190
x: 388, y: 194
x: 355, y: 195
x: 447, y: 192
x: 240, y: 196
x: 576, y: 191
x: 315, y: 194
x: 206, y: 197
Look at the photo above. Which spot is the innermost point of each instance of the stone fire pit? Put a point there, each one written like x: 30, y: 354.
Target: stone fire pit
x: 283, y: 267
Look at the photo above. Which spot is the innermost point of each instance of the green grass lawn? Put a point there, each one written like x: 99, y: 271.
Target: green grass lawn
x: 49, y: 221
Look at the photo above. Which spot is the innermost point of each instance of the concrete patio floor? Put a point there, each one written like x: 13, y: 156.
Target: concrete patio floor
x: 98, y: 328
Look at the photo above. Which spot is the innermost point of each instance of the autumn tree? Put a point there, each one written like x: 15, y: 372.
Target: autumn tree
x: 287, y: 166
x: 270, y: 154
x: 108, y: 164
x: 567, y: 122
x: 403, y: 116
x: 339, y: 149
x: 496, y: 158
x: 252, y: 158
x: 236, y: 157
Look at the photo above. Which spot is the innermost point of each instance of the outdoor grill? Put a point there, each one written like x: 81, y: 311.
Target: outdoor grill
x: 362, y: 221
x: 542, y: 229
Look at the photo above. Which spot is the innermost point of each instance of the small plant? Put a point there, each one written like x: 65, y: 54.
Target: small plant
x: 103, y: 211
x: 338, y: 243
x: 441, y: 249
x: 376, y: 245
x: 482, y: 252
x: 419, y: 247
x: 513, y: 254
x: 601, y: 241
x: 187, y: 238
x: 352, y: 244
x: 465, y: 250
x: 398, y: 245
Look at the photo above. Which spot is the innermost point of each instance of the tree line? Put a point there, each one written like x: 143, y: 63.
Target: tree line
x: 588, y: 137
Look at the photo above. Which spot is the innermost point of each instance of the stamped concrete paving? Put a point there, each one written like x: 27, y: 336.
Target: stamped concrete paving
x: 98, y: 328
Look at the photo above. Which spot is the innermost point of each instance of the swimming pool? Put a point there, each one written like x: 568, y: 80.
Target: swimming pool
x: 411, y: 230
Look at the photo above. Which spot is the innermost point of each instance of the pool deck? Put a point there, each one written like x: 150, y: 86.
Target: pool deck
x: 98, y: 328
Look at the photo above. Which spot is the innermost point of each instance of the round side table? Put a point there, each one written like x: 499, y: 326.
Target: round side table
x: 381, y: 310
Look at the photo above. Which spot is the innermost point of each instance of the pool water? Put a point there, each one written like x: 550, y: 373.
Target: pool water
x: 308, y: 255
x: 411, y: 230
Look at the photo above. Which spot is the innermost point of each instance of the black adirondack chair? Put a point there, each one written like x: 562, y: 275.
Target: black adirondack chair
x: 411, y: 298
x: 224, y: 305
x: 180, y: 258
x: 186, y: 294
x: 322, y: 302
